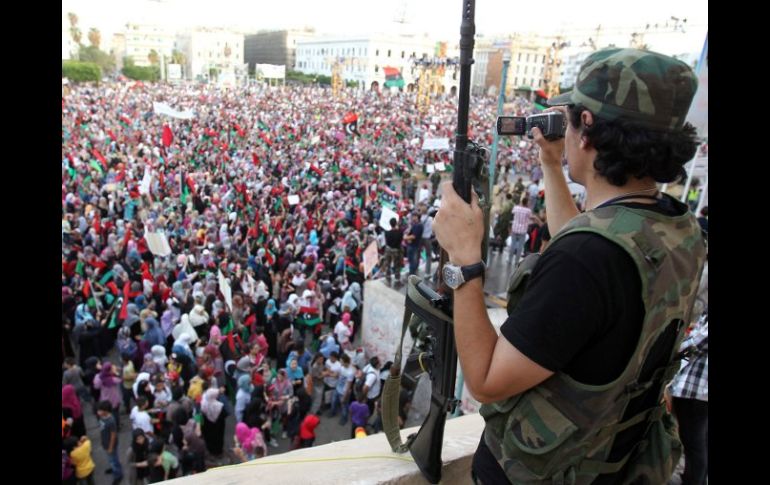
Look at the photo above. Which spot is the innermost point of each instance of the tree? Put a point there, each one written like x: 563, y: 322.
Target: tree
x: 74, y: 30
x: 94, y: 37
x: 93, y: 54
x: 154, y: 57
x: 178, y: 58
x: 140, y: 73
x: 77, y: 71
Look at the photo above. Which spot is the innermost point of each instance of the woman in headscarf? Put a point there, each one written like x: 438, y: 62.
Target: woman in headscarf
x: 243, y: 396
x: 213, y: 426
x: 153, y: 335
x: 71, y: 408
x: 250, y: 441
x: 140, y: 448
x: 109, y: 384
x: 159, y: 355
x: 91, y: 367
x: 192, y: 454
x: 149, y: 366
x: 280, y: 393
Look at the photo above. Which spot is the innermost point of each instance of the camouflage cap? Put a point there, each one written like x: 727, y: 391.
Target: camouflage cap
x: 646, y: 87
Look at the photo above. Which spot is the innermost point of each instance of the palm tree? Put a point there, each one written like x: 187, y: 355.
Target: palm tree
x: 154, y: 57
x: 74, y: 30
x: 178, y: 58
x: 94, y: 37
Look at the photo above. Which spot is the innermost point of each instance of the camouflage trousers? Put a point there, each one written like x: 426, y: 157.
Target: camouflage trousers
x: 392, y: 257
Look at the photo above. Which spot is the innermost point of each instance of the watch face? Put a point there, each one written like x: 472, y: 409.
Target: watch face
x: 451, y: 277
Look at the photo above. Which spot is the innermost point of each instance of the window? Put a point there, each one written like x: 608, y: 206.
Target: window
x: 543, y: 58
x: 531, y: 82
x: 526, y: 69
x: 518, y: 69
x: 377, y: 53
x: 376, y: 69
x: 388, y: 52
x: 402, y: 54
x: 516, y: 82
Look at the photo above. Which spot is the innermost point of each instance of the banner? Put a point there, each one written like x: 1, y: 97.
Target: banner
x: 227, y: 292
x: 144, y: 187
x: 270, y: 71
x: 435, y: 144
x: 157, y: 243
x: 385, y: 218
x: 293, y: 199
x: 174, y: 72
x: 371, y: 258
x: 165, y: 109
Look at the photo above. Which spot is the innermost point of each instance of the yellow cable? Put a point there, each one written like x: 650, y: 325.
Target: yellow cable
x: 419, y: 359
x: 312, y: 460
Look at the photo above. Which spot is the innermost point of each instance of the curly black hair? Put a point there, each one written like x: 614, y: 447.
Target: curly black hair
x: 627, y: 149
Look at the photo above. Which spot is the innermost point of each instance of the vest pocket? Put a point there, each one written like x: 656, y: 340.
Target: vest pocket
x: 534, y: 431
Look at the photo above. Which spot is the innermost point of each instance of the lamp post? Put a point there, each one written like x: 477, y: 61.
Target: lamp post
x: 500, y: 101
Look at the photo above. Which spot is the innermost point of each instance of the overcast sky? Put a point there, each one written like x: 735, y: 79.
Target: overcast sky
x: 439, y: 18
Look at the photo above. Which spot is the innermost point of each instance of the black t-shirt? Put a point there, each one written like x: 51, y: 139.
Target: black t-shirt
x: 393, y: 238
x: 582, y: 314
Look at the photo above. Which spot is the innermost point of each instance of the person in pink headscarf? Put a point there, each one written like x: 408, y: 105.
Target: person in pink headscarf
x: 250, y: 442
x: 108, y: 383
x: 343, y: 330
x: 71, y: 409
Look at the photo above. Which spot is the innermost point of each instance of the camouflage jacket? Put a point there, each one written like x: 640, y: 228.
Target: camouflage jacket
x: 562, y: 431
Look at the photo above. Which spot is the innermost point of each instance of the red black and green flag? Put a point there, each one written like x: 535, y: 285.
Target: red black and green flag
x: 541, y: 100
x: 351, y: 124
x: 308, y: 316
x: 393, y: 77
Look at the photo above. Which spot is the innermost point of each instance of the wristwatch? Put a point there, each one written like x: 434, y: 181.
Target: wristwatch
x: 455, y: 276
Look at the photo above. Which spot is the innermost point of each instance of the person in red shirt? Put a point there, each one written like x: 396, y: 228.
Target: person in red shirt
x: 307, y: 430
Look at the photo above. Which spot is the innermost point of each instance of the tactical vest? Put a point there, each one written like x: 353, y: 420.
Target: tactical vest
x: 562, y: 431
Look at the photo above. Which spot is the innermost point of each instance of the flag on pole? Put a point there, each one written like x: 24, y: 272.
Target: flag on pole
x: 393, y: 77
x: 351, y: 124
x: 168, y: 136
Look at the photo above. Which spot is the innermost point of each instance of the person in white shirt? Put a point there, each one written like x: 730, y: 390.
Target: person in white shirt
x: 424, y: 195
x: 331, y: 374
x: 342, y: 331
x: 140, y: 418
x: 372, y: 383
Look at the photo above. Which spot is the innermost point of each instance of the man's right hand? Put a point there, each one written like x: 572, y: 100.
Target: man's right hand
x: 551, y: 152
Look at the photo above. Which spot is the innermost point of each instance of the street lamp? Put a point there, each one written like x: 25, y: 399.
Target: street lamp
x: 500, y: 101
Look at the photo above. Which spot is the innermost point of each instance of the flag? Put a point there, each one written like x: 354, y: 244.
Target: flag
x: 308, y: 316
x: 99, y: 157
x: 541, y: 100
x: 255, y: 159
x: 314, y: 170
x: 96, y: 167
x: 357, y: 222
x: 351, y: 124
x: 168, y: 137
x: 393, y: 77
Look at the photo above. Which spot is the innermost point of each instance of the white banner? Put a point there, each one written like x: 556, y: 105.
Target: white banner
x: 435, y: 144
x: 227, y: 292
x: 385, y: 218
x: 430, y: 168
x: 158, y: 243
x: 270, y: 71
x: 174, y: 72
x: 440, y: 166
x: 144, y: 187
x: 293, y: 199
x: 165, y: 109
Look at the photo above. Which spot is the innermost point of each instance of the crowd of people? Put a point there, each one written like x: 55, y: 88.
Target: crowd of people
x: 212, y: 265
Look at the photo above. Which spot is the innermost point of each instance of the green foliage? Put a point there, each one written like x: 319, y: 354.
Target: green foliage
x: 77, y: 71
x: 140, y: 73
x: 94, y: 54
x: 308, y: 78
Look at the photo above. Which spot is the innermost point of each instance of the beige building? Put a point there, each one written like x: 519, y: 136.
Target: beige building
x: 141, y: 39
x: 210, y: 52
x: 529, y: 54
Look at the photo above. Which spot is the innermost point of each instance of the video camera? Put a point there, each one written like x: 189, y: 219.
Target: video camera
x: 552, y: 124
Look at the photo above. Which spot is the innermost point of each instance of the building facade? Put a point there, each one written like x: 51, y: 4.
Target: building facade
x: 210, y: 52
x: 142, y: 39
x: 571, y: 62
x: 364, y: 59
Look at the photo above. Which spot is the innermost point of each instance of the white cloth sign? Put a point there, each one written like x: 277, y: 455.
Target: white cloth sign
x: 293, y: 199
x: 385, y: 218
x: 227, y: 292
x: 440, y: 166
x: 165, y: 109
x: 435, y: 144
x: 158, y: 243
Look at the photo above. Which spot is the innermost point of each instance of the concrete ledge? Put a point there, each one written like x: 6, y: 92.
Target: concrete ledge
x: 356, y: 461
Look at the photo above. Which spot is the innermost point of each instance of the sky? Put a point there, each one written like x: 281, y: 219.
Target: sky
x: 438, y: 18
